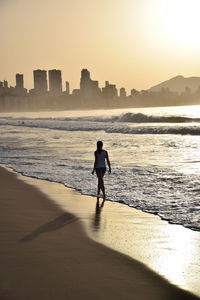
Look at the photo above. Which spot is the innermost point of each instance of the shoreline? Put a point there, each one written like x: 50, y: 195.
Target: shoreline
x: 155, y: 214
x: 170, y: 250
x: 78, y: 253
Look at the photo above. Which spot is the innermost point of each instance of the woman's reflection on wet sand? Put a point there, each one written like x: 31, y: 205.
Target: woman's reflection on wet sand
x: 97, y: 216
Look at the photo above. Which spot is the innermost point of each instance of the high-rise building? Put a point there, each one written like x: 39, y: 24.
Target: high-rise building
x: 67, y: 87
x: 85, y: 79
x: 109, y: 91
x: 40, y: 81
x: 134, y: 93
x: 5, y: 84
x: 55, y: 82
x: 19, y: 88
x: 19, y: 81
x: 88, y: 88
x: 122, y: 93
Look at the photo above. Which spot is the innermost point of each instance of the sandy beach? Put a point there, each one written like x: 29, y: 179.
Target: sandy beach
x: 45, y: 252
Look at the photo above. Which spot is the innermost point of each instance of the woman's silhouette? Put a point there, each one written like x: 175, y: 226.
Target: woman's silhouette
x: 101, y: 156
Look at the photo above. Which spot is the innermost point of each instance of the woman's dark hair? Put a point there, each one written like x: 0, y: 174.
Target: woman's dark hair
x: 99, y: 145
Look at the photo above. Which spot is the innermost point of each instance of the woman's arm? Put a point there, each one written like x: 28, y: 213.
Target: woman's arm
x: 108, y: 162
x: 95, y: 162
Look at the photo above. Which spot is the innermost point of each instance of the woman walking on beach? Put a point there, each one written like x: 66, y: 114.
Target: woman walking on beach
x: 101, y: 156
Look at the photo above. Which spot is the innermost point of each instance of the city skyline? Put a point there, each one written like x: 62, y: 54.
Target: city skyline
x: 135, y: 43
x: 47, y: 93
x: 51, y: 81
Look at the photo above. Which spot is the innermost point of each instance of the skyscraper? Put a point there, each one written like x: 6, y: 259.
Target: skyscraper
x: 5, y: 84
x: 19, y: 81
x: 109, y: 91
x: 40, y: 81
x: 89, y: 88
x: 122, y: 93
x: 19, y: 88
x: 67, y: 87
x: 85, y: 79
x: 55, y: 82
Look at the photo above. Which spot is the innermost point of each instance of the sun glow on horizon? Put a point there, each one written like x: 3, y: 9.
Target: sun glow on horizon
x: 161, y: 28
x: 180, y: 22
x: 132, y: 43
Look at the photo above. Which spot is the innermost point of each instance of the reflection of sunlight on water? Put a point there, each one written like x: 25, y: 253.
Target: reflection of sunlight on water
x: 169, y: 250
x: 192, y: 111
x: 195, y: 170
x: 179, y: 253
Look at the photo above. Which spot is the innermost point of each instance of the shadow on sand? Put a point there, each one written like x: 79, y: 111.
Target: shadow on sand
x: 56, y: 224
x: 97, y: 216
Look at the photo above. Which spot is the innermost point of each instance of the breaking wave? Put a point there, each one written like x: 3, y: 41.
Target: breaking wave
x: 138, y: 118
x: 141, y: 118
x: 128, y: 123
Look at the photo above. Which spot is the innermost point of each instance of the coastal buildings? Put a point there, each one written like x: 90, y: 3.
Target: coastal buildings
x: 55, y: 82
x: 19, y: 89
x: 122, y: 93
x: 3, y: 87
x: 49, y: 83
x: 48, y: 94
x: 109, y: 91
x: 19, y: 81
x: 67, y: 91
x: 88, y: 88
x: 40, y: 82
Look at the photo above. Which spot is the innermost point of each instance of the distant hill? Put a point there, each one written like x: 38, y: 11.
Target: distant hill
x: 178, y: 84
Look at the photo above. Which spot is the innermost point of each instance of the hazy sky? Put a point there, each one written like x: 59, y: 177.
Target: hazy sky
x: 132, y: 43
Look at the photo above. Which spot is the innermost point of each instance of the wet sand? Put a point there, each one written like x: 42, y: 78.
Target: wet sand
x: 45, y: 252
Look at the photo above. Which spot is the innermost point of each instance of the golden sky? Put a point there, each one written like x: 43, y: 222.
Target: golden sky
x: 132, y: 43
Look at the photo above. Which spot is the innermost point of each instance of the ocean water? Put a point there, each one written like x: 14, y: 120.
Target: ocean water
x: 154, y: 154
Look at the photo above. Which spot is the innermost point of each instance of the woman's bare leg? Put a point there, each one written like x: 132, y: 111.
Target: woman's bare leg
x: 102, y: 187
x: 98, y: 187
x: 100, y: 183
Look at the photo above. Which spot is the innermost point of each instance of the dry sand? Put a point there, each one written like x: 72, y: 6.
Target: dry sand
x: 45, y: 254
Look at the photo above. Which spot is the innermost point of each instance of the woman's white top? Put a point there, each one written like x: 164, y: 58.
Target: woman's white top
x: 101, y: 163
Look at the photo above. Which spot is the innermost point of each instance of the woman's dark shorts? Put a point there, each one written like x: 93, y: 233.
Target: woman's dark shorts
x: 100, y: 171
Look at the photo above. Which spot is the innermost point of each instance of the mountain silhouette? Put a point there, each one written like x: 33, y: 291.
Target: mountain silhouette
x: 178, y: 84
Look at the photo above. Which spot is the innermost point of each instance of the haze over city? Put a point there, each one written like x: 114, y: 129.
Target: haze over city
x: 133, y: 43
